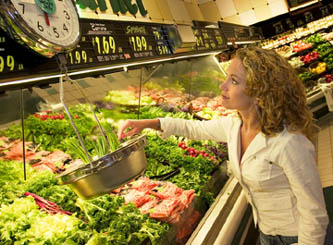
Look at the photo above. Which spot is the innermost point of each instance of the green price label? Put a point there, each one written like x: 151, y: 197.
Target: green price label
x: 48, y: 6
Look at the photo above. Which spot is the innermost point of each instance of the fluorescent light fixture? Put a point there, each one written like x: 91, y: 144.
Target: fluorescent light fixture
x: 303, y: 5
x: 108, y: 68
x: 242, y: 42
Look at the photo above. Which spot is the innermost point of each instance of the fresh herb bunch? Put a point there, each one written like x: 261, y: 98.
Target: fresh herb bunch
x: 97, y: 146
x: 75, y: 150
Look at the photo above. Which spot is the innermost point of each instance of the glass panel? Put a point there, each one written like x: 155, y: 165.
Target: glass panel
x: 188, y: 85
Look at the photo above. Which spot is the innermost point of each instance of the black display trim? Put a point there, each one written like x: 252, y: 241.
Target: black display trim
x: 289, y: 21
x: 239, y: 33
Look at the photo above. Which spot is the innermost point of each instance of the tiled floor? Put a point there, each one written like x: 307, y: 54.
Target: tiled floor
x: 324, y: 148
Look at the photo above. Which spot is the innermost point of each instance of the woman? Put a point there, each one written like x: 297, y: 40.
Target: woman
x: 269, y: 146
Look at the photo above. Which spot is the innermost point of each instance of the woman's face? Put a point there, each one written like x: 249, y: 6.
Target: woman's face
x: 233, y: 96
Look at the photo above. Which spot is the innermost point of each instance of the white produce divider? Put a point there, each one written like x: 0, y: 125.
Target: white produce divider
x: 222, y: 219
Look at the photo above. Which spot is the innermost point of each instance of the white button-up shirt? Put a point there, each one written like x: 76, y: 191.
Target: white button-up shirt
x: 278, y: 174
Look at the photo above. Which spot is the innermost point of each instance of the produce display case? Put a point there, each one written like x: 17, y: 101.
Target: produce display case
x: 309, y: 50
x: 183, y: 182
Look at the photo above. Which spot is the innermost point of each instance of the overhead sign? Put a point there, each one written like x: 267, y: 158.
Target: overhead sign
x: 122, y: 6
x: 208, y: 35
x: 105, y: 41
x: 238, y: 33
x: 209, y: 38
x: 289, y: 21
x: 103, y: 44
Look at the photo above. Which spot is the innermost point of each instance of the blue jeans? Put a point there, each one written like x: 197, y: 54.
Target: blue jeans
x: 277, y: 240
x: 286, y: 240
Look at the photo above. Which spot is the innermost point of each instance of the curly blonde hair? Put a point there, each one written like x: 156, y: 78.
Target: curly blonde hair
x: 279, y: 91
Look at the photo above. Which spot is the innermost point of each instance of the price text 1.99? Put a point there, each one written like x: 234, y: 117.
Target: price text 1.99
x: 77, y: 57
x: 138, y: 43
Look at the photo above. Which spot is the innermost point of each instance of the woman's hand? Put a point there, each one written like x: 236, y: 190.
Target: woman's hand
x: 136, y: 126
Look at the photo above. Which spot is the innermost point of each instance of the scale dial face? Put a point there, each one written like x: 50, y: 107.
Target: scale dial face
x: 50, y: 24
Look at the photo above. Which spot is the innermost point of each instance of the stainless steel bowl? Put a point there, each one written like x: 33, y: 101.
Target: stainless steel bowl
x: 108, y: 172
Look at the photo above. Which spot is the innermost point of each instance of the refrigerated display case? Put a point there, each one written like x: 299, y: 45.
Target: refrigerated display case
x: 187, y: 88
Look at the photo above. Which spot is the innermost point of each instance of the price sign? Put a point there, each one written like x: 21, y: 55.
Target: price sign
x: 18, y: 61
x: 308, y: 17
x: 242, y: 33
x: 99, y: 44
x: 300, y: 22
x: 324, y: 11
x: 161, y: 38
x: 83, y: 54
x: 107, y: 42
x: 290, y: 24
x: 209, y: 38
x: 147, y: 40
x: 295, y: 19
x: 278, y: 27
x: 236, y: 33
x: 220, y: 40
x: 9, y: 63
x: 201, y: 39
x: 141, y: 40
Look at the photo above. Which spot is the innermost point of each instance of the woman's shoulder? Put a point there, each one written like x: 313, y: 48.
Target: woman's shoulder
x: 293, y: 138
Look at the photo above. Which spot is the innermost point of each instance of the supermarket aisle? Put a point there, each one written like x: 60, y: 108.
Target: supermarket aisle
x: 324, y: 148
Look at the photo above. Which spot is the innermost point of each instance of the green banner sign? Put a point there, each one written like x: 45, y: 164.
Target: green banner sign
x: 122, y: 6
